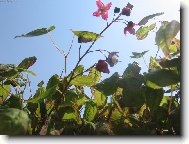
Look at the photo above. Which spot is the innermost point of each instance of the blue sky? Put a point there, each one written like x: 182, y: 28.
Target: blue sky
x: 22, y: 16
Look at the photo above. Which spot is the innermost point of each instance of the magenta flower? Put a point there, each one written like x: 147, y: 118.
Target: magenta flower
x: 127, y: 10
x: 102, y: 10
x: 102, y: 66
x: 130, y: 28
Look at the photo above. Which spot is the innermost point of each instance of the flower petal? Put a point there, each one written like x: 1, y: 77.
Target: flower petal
x: 99, y: 4
x: 96, y: 13
x: 105, y: 15
x: 107, y: 7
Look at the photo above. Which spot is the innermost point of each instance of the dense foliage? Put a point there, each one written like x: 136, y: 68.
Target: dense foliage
x: 128, y: 104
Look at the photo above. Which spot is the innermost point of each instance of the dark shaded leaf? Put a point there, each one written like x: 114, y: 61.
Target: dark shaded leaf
x: 138, y: 55
x: 147, y: 18
x: 132, y: 70
x: 37, y: 32
x: 161, y: 78
x: 54, y: 80
x: 153, y: 98
x: 27, y: 62
x: 109, y: 85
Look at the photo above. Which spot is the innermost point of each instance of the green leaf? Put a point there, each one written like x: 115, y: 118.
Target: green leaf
x: 54, y: 80
x: 138, y: 55
x: 78, y: 71
x: 161, y: 78
x: 13, y: 122
x: 85, y: 36
x: 109, y: 85
x: 116, y: 115
x: 165, y: 34
x: 48, y: 93
x: 69, y: 114
x: 147, y: 18
x: 40, y: 84
x: 153, y: 98
x: 175, y: 46
x: 27, y: 62
x: 37, y: 32
x: 4, y: 92
x: 90, y: 111
x: 74, y: 98
x: 143, y: 31
x: 99, y: 98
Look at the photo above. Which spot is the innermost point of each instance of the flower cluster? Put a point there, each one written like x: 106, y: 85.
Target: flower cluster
x: 112, y: 60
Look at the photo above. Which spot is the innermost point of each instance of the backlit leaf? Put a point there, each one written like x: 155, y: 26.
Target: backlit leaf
x: 99, y: 98
x: 83, y: 81
x: 143, y: 31
x: 165, y: 35
x: 4, y: 92
x: 86, y: 36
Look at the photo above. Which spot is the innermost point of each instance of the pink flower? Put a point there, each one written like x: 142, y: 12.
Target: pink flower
x: 102, y: 66
x: 130, y: 28
x: 102, y: 10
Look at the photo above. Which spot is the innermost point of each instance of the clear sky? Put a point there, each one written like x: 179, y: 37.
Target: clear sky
x: 21, y: 16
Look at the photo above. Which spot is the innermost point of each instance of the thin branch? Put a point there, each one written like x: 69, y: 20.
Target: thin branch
x: 70, y: 46
x: 61, y: 52
x: 145, y: 62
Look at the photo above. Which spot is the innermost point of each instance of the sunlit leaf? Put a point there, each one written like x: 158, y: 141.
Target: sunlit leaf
x: 95, y: 74
x: 90, y: 111
x: 86, y: 36
x: 143, y: 31
x: 165, y: 35
x: 4, y: 92
x: 83, y: 81
x: 37, y: 32
x: 99, y: 98
x: 138, y: 55
x: 109, y: 85
x: 154, y: 65
x: 147, y: 18
x: 161, y: 78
